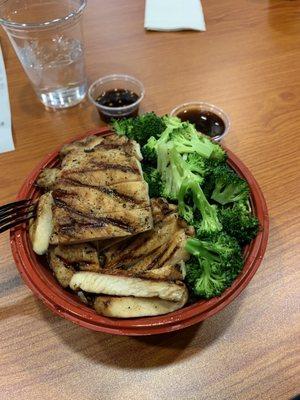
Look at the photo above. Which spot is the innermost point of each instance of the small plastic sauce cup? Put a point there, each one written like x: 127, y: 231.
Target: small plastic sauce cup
x: 112, y: 84
x: 208, y: 119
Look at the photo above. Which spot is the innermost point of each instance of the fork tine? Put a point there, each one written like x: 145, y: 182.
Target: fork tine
x: 15, y: 214
x: 13, y: 205
x: 15, y: 222
x: 16, y: 210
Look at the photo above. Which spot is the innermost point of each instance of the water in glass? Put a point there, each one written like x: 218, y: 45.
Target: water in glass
x: 48, y: 42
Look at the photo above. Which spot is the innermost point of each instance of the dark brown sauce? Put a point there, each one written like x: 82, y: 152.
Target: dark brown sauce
x: 117, y: 98
x: 205, y: 121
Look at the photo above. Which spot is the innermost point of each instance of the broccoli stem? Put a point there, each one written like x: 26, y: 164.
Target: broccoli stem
x: 209, y: 284
x: 210, y: 222
x: 190, y: 147
x: 197, y: 248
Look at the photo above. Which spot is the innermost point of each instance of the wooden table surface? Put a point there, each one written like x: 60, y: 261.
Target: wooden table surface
x: 248, y: 62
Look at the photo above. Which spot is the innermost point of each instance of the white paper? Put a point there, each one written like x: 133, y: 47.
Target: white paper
x: 6, y: 139
x: 174, y: 15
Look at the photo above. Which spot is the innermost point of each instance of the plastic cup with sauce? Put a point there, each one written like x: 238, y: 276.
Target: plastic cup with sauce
x: 207, y: 118
x: 116, y: 96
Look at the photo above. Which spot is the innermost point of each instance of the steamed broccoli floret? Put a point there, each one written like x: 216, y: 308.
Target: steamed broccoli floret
x: 228, y: 186
x: 153, y: 178
x: 187, y: 213
x: 208, y: 183
x: 149, y: 151
x: 209, y: 222
x: 188, y: 168
x: 204, y: 278
x: 207, y: 186
x: 140, y: 128
x: 172, y: 123
x: 239, y: 222
x: 211, y: 164
x: 180, y: 152
x: 173, y: 170
x: 196, y: 163
x: 185, y: 138
x: 218, y: 154
x: 188, y: 140
x: 214, y: 264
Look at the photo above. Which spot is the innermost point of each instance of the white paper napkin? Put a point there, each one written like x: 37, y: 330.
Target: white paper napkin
x: 174, y: 15
x: 6, y: 139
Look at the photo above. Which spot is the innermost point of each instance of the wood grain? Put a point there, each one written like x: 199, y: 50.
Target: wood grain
x: 248, y: 62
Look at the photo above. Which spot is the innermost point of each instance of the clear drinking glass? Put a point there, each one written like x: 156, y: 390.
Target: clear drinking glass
x: 47, y: 37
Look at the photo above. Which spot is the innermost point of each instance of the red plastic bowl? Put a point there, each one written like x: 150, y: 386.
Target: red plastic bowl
x: 40, y: 280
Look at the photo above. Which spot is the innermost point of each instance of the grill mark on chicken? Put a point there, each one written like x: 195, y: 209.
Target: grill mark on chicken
x: 109, y: 146
x: 103, y: 189
x: 70, y: 264
x: 138, y: 243
x: 128, y: 262
x: 154, y: 262
x: 130, y: 258
x: 83, y: 171
x: 96, y: 222
x: 76, y: 264
x: 60, y: 193
x: 125, y: 243
x: 134, y: 244
x: 126, y: 251
x: 169, y: 256
x: 112, y: 146
x: 123, y: 168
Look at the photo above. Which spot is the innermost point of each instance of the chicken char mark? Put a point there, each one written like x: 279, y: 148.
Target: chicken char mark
x: 155, y: 254
x: 89, y: 220
x: 72, y: 184
x: 108, y: 142
x: 100, y: 192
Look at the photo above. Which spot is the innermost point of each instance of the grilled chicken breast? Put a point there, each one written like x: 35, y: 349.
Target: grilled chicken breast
x: 62, y: 272
x: 66, y: 260
x: 82, y: 257
x: 123, y: 286
x: 109, y: 142
x: 102, y: 160
x: 138, y: 276
x: 48, y: 177
x: 40, y: 229
x: 112, y: 166
x: 99, y: 192
x: 96, y: 160
x: 103, y: 200
x: 74, y: 226
x: 156, y: 254
x: 83, y: 213
x: 106, y: 238
x: 133, y: 307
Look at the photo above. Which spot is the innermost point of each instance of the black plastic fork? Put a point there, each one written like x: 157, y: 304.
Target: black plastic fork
x: 16, y: 213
